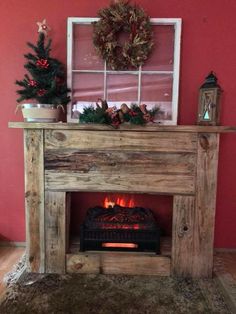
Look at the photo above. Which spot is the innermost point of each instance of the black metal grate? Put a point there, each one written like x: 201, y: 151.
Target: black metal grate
x: 120, y: 226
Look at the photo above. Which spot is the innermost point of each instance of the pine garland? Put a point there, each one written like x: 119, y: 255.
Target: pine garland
x: 123, y: 17
x: 138, y: 115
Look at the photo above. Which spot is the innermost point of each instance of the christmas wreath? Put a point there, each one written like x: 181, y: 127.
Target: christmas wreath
x: 118, y: 18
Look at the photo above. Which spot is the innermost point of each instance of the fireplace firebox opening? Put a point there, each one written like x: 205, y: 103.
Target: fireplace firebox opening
x: 119, y: 222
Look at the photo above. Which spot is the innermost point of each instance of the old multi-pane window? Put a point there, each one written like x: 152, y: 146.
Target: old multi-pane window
x: 156, y: 83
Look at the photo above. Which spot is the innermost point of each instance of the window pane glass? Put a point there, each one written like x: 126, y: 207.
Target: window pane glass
x: 162, y: 56
x: 87, y: 86
x: 157, y: 91
x: 84, y: 55
x: 122, y: 87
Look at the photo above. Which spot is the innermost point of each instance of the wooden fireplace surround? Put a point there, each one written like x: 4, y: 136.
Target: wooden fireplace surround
x: 175, y: 160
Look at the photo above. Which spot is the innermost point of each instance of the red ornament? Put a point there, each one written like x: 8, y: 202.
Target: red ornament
x: 132, y: 113
x: 32, y: 83
x: 42, y: 63
x: 41, y: 92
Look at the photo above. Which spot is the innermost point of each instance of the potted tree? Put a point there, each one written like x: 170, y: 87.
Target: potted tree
x: 45, y: 84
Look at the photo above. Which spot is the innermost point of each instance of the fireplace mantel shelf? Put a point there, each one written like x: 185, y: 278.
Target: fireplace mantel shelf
x: 125, y: 127
x: 178, y: 160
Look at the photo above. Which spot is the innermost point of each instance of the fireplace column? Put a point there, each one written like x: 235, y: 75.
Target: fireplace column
x: 194, y: 216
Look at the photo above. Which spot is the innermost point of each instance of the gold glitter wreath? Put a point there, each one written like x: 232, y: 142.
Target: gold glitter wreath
x: 117, y: 18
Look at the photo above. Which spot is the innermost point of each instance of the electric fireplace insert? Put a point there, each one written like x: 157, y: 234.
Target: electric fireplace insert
x: 120, y: 228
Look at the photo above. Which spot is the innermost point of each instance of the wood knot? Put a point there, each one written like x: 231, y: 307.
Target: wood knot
x: 27, y: 194
x: 79, y: 266
x: 204, y: 142
x: 30, y: 194
x: 59, y: 136
x: 183, y: 230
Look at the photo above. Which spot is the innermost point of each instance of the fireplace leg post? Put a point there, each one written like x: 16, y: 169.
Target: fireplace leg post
x: 204, y: 224
x: 182, y: 235
x: 194, y: 216
x: 55, y: 231
x: 34, y: 199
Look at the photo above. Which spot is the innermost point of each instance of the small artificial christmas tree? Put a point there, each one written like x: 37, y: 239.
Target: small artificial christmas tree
x: 46, y: 82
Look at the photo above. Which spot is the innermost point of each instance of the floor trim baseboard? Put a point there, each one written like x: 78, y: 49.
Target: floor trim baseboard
x: 12, y: 243
x: 225, y: 250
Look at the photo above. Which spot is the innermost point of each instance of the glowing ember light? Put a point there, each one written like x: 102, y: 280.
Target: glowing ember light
x: 121, y: 201
x: 131, y: 203
x: 120, y: 245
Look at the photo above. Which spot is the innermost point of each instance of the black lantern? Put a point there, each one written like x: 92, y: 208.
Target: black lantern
x: 209, y: 102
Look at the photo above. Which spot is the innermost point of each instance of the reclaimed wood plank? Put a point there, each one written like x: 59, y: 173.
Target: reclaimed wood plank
x: 55, y: 231
x: 126, y: 162
x: 118, y: 263
x: 136, y: 265
x: 120, y: 182
x: 121, y: 141
x: 204, y: 220
x: 83, y: 263
x: 34, y: 199
x: 127, y: 127
x: 182, y: 235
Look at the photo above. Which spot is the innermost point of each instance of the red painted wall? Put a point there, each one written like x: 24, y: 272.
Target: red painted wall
x: 208, y: 43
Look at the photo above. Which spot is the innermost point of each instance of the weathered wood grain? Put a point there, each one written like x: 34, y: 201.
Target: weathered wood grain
x: 120, y: 162
x: 119, y: 182
x: 34, y: 200
x: 118, y: 263
x: 204, y: 220
x: 126, y: 127
x: 121, y: 141
x: 83, y: 263
x: 182, y: 235
x: 55, y: 231
x: 176, y: 160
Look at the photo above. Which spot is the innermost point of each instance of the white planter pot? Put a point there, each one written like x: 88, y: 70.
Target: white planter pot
x: 40, y: 112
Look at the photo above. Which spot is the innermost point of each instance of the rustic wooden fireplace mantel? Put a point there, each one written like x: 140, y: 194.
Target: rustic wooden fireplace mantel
x: 176, y: 160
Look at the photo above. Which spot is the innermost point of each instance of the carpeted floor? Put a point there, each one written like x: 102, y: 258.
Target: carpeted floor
x: 103, y: 294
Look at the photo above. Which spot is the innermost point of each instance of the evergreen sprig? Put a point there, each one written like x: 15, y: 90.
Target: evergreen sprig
x: 46, y: 81
x: 105, y: 116
x: 94, y: 115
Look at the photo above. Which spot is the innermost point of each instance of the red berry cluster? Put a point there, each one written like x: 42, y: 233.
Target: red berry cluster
x: 41, y: 92
x: 32, y: 83
x: 42, y: 63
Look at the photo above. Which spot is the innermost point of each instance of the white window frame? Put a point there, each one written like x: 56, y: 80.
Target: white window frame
x: 176, y: 22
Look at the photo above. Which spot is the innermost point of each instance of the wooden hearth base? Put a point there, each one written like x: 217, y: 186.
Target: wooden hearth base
x: 118, y: 263
x: 122, y: 263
